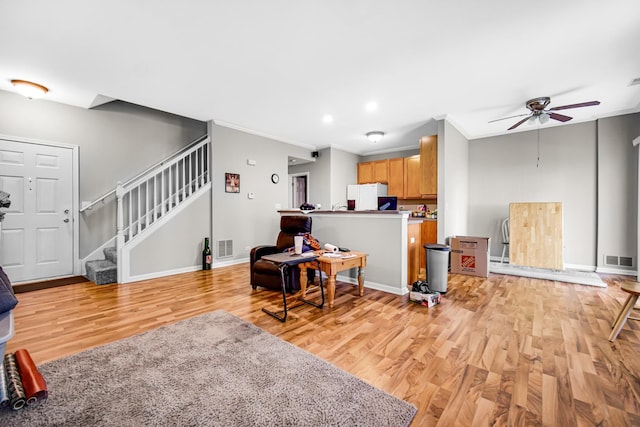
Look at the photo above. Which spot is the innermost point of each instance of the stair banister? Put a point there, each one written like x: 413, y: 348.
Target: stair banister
x: 146, y: 171
x: 119, y: 225
x: 143, y: 201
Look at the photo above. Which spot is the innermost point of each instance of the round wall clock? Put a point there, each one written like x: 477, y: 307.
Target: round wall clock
x: 275, y: 178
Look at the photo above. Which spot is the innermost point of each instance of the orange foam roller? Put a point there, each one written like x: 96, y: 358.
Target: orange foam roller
x: 35, y: 387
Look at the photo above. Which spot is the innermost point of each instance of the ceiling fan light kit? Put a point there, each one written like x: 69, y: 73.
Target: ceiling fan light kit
x: 538, y: 108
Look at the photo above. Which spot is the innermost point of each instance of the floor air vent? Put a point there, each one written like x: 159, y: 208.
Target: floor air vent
x: 619, y: 261
x: 225, y: 249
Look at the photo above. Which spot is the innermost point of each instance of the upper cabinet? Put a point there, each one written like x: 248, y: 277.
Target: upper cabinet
x: 373, y: 172
x: 396, y: 177
x: 414, y: 177
x: 365, y: 172
x: 429, y: 165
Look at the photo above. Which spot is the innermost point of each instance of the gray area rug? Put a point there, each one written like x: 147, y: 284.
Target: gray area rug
x: 570, y: 276
x: 210, y: 370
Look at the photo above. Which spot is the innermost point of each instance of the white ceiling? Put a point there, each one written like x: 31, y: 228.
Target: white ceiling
x: 277, y: 67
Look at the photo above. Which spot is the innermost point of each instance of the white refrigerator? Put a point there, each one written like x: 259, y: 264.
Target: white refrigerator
x: 366, y: 195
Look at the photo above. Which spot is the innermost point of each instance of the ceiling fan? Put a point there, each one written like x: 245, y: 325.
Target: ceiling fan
x: 538, y: 108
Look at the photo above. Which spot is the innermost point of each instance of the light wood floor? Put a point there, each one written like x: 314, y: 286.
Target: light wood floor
x: 499, y: 351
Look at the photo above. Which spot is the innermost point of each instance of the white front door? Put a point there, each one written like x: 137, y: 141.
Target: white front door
x: 37, y: 232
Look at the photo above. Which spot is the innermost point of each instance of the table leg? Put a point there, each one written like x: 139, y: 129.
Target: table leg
x: 331, y: 288
x: 303, y: 280
x: 361, y: 280
x: 622, y: 318
x: 283, y: 274
x: 315, y: 304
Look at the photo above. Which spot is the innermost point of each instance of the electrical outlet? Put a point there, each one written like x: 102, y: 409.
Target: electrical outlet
x: 247, y: 248
x: 278, y: 206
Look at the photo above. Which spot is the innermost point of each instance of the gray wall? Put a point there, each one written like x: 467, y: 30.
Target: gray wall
x: 506, y: 169
x: 319, y: 181
x: 185, y: 231
x: 249, y: 222
x: 116, y: 141
x: 617, y: 187
x: 591, y: 168
x: 329, y: 176
x: 384, y: 239
x: 392, y: 154
x: 344, y: 171
x: 453, y: 183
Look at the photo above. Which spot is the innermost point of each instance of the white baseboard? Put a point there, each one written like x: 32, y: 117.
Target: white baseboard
x: 579, y: 267
x: 622, y: 272
x: 157, y: 274
x: 189, y: 269
x: 373, y: 285
x: 217, y: 264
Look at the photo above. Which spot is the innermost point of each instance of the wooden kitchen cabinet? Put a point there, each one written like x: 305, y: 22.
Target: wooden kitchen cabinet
x: 381, y: 171
x: 365, y: 172
x: 428, y: 234
x: 414, y: 250
x: 373, y: 172
x: 412, y: 177
x: 429, y: 165
x: 396, y: 178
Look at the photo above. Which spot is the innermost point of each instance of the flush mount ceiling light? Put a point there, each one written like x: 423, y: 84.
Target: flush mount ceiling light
x: 375, y: 136
x: 29, y: 89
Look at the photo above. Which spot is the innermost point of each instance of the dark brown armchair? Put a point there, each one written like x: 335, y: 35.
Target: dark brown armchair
x: 266, y: 274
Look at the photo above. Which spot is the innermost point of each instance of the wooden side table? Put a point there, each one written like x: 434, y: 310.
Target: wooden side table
x: 331, y: 266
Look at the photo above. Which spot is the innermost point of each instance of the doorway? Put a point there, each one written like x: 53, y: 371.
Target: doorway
x: 299, y: 189
x: 37, y: 238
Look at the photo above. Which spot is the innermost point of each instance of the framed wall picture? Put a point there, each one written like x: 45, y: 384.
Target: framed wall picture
x: 231, y: 182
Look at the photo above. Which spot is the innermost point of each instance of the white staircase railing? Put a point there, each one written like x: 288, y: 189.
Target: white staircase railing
x: 143, y: 201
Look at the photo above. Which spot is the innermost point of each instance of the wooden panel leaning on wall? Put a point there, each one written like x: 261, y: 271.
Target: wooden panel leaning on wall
x: 504, y: 350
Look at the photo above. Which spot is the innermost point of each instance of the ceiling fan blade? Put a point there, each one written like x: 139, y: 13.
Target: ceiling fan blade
x: 560, y: 117
x: 510, y: 117
x: 582, y: 104
x: 519, y: 123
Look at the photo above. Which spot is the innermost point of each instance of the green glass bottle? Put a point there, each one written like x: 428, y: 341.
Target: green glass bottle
x: 206, y: 255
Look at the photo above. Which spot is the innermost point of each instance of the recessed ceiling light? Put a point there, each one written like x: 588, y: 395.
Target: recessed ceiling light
x: 327, y: 119
x: 371, y: 106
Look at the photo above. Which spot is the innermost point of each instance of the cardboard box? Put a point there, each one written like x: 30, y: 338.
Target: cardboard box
x: 470, y: 255
x: 428, y: 300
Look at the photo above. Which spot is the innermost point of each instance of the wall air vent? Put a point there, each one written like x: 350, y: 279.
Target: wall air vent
x: 626, y: 261
x: 224, y: 248
x: 619, y: 261
x: 611, y: 260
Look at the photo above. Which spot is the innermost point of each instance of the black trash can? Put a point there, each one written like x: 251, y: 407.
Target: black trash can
x: 437, y: 266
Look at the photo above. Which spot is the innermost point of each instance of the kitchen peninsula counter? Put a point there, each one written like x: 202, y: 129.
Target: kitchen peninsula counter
x: 380, y: 234
x: 342, y: 212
